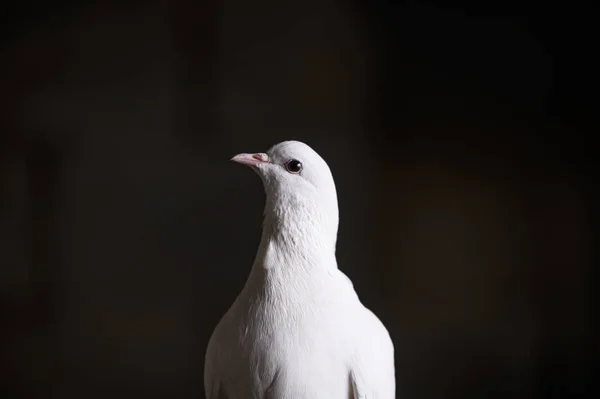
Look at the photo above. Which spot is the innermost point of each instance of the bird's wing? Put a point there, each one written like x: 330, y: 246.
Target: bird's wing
x: 212, y: 385
x: 216, y: 393
x: 372, y: 373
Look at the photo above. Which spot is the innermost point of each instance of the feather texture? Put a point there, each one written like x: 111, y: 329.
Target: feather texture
x: 298, y: 329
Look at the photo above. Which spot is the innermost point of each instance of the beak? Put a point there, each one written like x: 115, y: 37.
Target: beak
x: 251, y: 159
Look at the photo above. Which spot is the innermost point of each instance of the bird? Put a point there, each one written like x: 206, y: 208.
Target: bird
x: 297, y: 329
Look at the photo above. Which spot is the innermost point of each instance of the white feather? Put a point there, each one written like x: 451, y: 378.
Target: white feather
x: 297, y: 329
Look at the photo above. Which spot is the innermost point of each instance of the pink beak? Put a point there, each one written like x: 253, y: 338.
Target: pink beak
x: 251, y: 159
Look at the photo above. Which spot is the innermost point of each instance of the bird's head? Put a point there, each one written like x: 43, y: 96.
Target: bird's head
x: 299, y: 187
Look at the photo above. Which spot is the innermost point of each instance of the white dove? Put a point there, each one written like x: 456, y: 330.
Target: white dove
x: 297, y: 329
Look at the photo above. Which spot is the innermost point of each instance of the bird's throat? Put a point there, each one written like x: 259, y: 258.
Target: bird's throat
x: 289, y: 241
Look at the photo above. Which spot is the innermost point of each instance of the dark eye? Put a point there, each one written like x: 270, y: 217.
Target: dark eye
x: 293, y: 166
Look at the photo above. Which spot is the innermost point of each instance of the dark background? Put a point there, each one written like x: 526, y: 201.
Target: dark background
x: 460, y: 140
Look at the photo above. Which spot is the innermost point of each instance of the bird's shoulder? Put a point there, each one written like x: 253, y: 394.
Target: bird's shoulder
x: 372, y: 368
x: 371, y: 364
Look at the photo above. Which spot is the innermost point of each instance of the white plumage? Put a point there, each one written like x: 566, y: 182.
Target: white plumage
x: 297, y: 329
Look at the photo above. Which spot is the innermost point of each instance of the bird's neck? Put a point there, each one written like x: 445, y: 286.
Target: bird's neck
x: 298, y: 238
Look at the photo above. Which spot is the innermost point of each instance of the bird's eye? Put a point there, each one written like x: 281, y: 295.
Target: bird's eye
x: 293, y: 166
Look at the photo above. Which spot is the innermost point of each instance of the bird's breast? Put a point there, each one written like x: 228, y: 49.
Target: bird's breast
x: 300, y: 333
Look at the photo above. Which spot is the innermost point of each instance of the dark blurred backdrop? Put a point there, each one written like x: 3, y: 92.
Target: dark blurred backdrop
x: 458, y: 135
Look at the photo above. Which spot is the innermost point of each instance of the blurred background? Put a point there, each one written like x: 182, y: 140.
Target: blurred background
x: 458, y: 135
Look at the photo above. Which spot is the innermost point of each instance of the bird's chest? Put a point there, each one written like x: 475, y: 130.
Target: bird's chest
x: 293, y: 330
x: 287, y: 345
